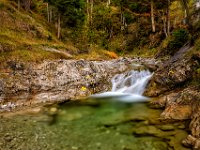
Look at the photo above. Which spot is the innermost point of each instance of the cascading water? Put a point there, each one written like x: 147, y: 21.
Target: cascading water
x: 134, y: 82
x: 128, y: 87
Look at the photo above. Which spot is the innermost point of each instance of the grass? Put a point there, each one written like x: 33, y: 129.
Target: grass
x: 24, y: 37
x: 97, y: 54
x: 143, y: 52
x: 30, y: 55
x: 195, y: 49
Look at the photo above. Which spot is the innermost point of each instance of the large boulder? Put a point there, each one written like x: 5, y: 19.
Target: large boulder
x: 171, y: 75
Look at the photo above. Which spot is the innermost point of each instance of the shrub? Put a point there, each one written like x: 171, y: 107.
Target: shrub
x: 2, y: 5
x: 178, y: 39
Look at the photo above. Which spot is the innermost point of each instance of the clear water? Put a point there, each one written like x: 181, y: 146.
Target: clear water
x: 89, y: 125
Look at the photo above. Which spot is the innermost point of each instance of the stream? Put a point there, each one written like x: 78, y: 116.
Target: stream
x: 116, y: 120
x: 89, y: 125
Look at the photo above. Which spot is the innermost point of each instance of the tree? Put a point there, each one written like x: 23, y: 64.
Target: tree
x: 152, y: 17
x: 167, y: 18
x: 108, y: 3
x: 69, y: 13
x: 18, y: 4
x: 26, y: 4
x: 186, y: 12
x: 90, y: 7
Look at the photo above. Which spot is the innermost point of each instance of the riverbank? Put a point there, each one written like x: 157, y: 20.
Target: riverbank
x: 23, y: 84
x: 177, y: 86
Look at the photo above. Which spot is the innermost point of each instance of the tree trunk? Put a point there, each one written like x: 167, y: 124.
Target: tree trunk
x: 152, y: 17
x: 197, y: 8
x: 91, y: 11
x: 88, y: 12
x: 111, y: 33
x: 122, y: 19
x: 48, y: 14
x: 59, y: 27
x: 165, y: 26
x: 26, y: 4
x: 168, y: 17
x: 166, y: 20
x: 186, y: 12
x: 18, y: 4
x: 108, y: 3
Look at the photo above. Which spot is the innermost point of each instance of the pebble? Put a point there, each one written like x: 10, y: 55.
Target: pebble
x: 74, y: 148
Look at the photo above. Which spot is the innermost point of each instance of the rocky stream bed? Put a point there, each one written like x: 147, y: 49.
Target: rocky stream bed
x: 23, y: 85
x: 90, y: 125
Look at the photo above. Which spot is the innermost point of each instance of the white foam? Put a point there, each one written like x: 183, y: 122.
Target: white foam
x: 128, y: 87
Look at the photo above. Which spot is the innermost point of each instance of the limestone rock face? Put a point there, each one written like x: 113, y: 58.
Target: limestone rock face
x: 24, y: 84
x: 177, y: 95
x: 183, y: 105
x: 170, y: 76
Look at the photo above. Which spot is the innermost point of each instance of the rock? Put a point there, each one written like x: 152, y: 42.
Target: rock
x: 177, y: 95
x: 182, y: 126
x: 170, y: 76
x: 54, y: 81
x: 196, y: 56
x: 176, y: 112
x: 162, y: 101
x: 190, y: 140
x: 183, y: 105
x: 167, y: 127
x: 151, y: 64
x: 151, y: 130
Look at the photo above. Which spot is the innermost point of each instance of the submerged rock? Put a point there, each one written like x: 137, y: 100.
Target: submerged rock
x: 151, y: 130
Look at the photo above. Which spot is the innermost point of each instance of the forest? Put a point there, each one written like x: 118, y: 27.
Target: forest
x: 115, y: 27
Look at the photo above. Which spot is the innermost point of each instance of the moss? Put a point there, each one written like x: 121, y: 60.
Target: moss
x: 30, y: 55
x: 197, y: 78
x: 143, y: 52
x: 198, y: 71
x: 4, y: 76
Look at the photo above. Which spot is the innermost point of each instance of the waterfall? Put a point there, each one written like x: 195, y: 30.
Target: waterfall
x: 128, y: 87
x: 134, y: 82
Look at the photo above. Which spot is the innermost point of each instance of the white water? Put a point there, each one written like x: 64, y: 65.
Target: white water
x: 128, y: 87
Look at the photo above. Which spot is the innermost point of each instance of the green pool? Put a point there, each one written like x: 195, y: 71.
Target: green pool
x: 90, y: 125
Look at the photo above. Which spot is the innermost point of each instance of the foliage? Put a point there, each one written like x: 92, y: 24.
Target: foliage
x: 122, y: 27
x: 178, y: 39
x: 1, y: 5
x: 71, y: 11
